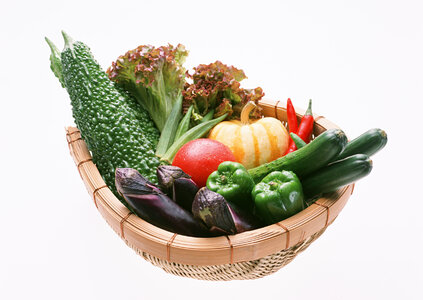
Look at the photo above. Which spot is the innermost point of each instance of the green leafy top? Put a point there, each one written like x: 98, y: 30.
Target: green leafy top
x: 56, y: 62
x: 217, y: 86
x: 154, y: 76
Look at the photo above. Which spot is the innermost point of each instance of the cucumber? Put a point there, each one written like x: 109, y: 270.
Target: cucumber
x: 324, y: 149
x: 367, y: 143
x: 336, y: 175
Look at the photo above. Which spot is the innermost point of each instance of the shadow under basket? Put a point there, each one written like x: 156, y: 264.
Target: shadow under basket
x: 248, y: 255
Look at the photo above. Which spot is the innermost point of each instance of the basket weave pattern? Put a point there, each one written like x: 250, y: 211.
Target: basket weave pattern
x: 248, y: 255
x: 238, y: 271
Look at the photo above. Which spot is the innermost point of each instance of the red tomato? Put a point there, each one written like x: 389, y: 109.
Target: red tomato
x: 199, y: 158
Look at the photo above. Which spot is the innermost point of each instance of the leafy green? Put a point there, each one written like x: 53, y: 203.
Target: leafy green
x: 55, y: 62
x: 217, y: 86
x: 154, y: 76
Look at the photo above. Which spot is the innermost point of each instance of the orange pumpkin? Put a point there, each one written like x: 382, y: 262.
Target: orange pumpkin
x: 252, y: 142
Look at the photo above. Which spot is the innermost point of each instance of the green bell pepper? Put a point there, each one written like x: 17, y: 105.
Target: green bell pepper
x: 233, y: 182
x: 278, y: 196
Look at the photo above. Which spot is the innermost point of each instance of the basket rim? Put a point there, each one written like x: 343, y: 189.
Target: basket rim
x: 246, y: 246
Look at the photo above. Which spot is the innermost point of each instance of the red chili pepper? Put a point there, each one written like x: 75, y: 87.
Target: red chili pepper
x: 306, y: 126
x: 292, y: 117
x: 304, y: 129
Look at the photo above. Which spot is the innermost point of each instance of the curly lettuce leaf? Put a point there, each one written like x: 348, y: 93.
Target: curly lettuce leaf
x: 217, y: 86
x: 154, y: 76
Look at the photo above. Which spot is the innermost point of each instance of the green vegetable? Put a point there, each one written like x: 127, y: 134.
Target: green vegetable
x: 233, y: 182
x: 56, y: 64
x: 117, y: 131
x: 336, y: 175
x: 184, y: 124
x: 217, y: 86
x: 318, y: 153
x: 367, y: 143
x: 194, y: 133
x: 169, y: 131
x: 154, y: 76
x: 299, y: 143
x: 208, y: 116
x: 278, y: 196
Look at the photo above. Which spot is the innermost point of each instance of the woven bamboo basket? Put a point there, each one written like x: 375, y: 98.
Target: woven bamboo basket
x: 248, y: 255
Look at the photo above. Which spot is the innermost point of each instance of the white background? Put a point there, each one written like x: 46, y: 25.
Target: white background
x: 360, y: 61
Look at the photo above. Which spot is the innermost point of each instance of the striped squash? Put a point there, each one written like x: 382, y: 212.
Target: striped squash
x: 252, y: 142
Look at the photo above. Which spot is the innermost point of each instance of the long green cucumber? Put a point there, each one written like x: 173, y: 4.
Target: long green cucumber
x: 318, y: 153
x: 367, y: 143
x: 336, y: 175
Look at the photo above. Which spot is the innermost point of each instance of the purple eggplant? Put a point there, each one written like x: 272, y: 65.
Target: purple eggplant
x: 243, y: 220
x: 219, y: 215
x: 167, y: 175
x: 184, y: 191
x: 178, y: 185
x: 132, y: 182
x: 155, y: 207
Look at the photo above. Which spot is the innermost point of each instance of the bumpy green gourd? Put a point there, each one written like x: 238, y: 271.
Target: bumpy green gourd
x: 118, y: 132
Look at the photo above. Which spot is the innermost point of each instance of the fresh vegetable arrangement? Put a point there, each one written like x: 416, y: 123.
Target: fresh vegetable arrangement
x: 192, y: 153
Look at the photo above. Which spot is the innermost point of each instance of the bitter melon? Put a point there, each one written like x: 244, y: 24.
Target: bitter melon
x: 118, y: 132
